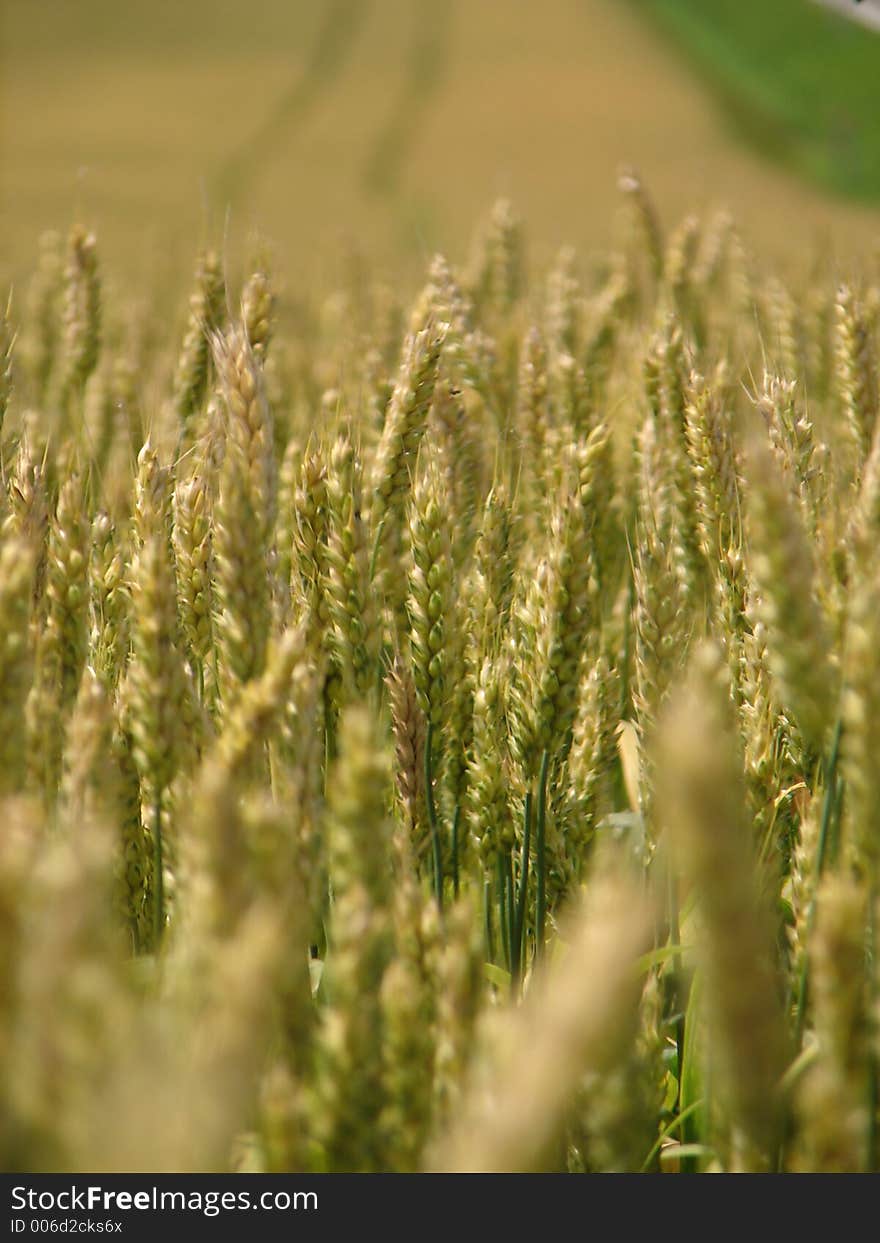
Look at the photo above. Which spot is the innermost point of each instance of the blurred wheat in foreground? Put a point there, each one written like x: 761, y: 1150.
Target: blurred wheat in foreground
x: 443, y: 735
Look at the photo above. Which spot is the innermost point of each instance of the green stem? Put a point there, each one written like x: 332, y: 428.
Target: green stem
x: 541, y: 849
x: 432, y: 815
x: 502, y: 911
x: 828, y: 807
x: 520, y: 920
x: 487, y: 921
x: 158, y: 879
x: 677, y: 999
x: 510, y: 906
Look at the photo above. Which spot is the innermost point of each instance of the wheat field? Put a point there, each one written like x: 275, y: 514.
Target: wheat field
x: 439, y: 731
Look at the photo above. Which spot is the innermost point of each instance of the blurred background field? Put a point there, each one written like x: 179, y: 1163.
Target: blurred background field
x: 385, y: 127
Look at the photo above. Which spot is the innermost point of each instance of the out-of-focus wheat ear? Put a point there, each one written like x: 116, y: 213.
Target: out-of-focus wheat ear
x: 855, y: 370
x: 533, y: 419
x: 16, y: 591
x: 40, y: 337
x: 90, y: 781
x: 782, y: 330
x: 645, y: 229
x: 443, y: 301
x: 409, y: 1003
x: 285, y: 525
x: 834, y: 1100
x: 241, y: 581
x: 701, y: 803
x: 81, y: 318
x: 564, y: 313
x: 286, y: 682
x: 513, y: 1113
x: 713, y: 256
x: 257, y: 312
x: 249, y: 424
x: 495, y: 272
x: 99, y: 419
x: 607, y: 314
x: 28, y: 516
x: 350, y: 1088
x: 460, y: 993
x: 393, y: 467
x: 679, y: 263
x: 353, y: 611
x: 159, y: 711
x: 7, y: 344
x: 797, y: 635
x: 194, y: 573
x: 204, y: 316
x: 860, y: 711
x: 63, y: 639
x: 109, y: 599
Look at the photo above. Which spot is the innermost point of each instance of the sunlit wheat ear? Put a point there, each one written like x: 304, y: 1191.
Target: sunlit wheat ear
x: 430, y: 594
x: 494, y: 277
x: 489, y: 818
x: 16, y: 588
x: 204, y: 316
x: 679, y: 263
x: 700, y: 801
x: 856, y: 369
x: 248, y: 421
x: 797, y: 634
x: 860, y: 703
x: 793, y: 442
x: 159, y: 711
x: 81, y: 316
x: 392, y: 469
x: 408, y: 730
x: 257, y: 312
x: 661, y: 586
x: 353, y: 612
x: 39, y: 344
x: 533, y: 418
x: 646, y: 230
x: 109, y: 599
x: 832, y: 1099
x: 193, y: 556
x: 62, y: 643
